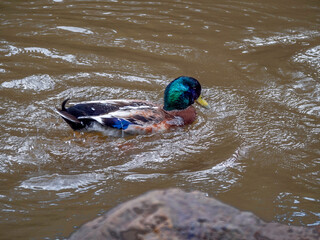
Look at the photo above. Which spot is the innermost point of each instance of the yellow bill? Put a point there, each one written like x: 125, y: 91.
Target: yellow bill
x: 202, y: 102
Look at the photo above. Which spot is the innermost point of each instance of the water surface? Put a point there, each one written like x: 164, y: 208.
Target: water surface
x: 256, y: 148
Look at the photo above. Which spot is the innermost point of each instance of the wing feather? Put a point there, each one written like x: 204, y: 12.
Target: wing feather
x: 118, y: 113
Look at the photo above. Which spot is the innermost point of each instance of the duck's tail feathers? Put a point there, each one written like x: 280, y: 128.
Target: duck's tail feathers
x: 63, y: 105
x: 73, y: 122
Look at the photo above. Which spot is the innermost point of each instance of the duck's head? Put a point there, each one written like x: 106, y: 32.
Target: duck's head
x: 181, y: 93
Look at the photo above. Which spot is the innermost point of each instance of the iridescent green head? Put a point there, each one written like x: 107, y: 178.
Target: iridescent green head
x: 181, y: 93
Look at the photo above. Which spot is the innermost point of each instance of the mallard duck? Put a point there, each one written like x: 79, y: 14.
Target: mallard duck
x: 119, y: 117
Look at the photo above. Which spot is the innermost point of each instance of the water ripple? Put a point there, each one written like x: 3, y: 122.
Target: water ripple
x: 310, y: 57
x: 293, y: 37
x: 57, y: 182
x: 75, y: 29
x: 35, y: 83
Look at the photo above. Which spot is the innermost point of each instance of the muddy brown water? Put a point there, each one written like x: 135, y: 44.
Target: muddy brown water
x: 257, y: 147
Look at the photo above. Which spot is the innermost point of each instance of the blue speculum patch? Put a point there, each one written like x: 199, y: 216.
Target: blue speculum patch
x: 120, y: 123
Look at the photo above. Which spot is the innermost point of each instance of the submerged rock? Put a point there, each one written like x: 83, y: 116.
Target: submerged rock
x: 175, y: 214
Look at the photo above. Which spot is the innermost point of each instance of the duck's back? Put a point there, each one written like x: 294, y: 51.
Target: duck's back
x: 130, y: 116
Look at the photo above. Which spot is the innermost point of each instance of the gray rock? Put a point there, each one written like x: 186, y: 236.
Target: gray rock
x: 176, y: 215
